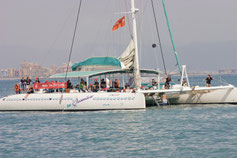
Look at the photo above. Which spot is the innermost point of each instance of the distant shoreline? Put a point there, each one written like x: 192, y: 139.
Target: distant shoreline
x: 190, y: 74
x: 9, y: 79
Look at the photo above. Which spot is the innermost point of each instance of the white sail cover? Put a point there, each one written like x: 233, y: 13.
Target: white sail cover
x: 127, y: 58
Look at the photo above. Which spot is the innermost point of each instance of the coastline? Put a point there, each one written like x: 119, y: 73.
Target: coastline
x: 174, y: 74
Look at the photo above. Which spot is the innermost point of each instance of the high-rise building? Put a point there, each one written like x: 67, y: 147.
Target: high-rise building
x: 33, y: 70
x: 11, y: 72
x: 4, y: 73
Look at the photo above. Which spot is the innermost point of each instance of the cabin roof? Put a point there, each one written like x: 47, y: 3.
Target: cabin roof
x: 104, y: 61
x: 76, y: 74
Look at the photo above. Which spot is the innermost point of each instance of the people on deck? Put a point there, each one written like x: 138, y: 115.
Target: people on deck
x: 23, y: 83
x: 69, y: 84
x: 95, y: 86
x: 127, y: 86
x: 108, y: 82
x: 167, y: 82
x: 28, y: 82
x: 103, y: 84
x: 30, y: 90
x: 90, y: 88
x: 116, y: 83
x: 208, y: 80
x: 37, y: 80
x: 184, y: 83
x: 154, y: 84
x: 82, y: 85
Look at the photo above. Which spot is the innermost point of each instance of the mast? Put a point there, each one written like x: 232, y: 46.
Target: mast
x: 136, y: 71
x: 171, y: 37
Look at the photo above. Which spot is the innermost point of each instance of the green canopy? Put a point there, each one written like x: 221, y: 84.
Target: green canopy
x: 76, y: 74
x: 104, y: 61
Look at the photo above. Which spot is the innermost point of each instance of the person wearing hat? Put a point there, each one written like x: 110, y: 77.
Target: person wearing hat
x: 90, y: 88
x: 37, y: 80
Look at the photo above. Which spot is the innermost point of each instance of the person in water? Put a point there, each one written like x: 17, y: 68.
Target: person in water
x: 167, y: 82
x: 208, y: 80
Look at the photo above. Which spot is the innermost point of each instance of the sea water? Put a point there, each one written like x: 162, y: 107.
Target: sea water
x: 169, y: 131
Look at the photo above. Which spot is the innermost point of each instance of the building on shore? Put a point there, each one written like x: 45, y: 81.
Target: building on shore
x: 4, y: 73
x: 228, y: 71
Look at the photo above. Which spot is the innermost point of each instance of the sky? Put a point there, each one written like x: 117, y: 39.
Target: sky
x: 41, y: 31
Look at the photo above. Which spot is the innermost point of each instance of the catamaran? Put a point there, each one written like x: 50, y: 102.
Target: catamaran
x: 127, y: 65
x: 81, y: 101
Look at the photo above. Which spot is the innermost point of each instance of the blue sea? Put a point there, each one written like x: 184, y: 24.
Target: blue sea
x: 168, y: 131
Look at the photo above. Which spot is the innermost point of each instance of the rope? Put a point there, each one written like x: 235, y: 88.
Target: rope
x: 73, y: 38
x: 157, y: 30
x: 128, y: 19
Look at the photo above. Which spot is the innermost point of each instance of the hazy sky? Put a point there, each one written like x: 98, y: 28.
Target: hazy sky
x: 41, y: 30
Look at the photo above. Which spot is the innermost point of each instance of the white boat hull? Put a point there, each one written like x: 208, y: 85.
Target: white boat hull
x: 73, y: 102
x: 195, y: 95
x: 219, y: 96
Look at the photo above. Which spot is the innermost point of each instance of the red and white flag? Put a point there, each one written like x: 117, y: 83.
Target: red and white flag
x: 119, y: 23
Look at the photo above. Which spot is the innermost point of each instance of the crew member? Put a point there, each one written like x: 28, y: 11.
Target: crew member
x: 154, y: 84
x: 184, y: 83
x: 37, y: 80
x: 69, y: 84
x: 167, y: 82
x: 208, y: 80
x: 30, y: 90
x: 116, y: 83
x: 28, y: 82
x: 23, y: 83
x: 95, y: 85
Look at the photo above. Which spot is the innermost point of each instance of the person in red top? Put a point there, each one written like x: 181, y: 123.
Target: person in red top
x: 37, y: 80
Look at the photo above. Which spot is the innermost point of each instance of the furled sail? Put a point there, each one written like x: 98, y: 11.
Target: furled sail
x: 127, y: 58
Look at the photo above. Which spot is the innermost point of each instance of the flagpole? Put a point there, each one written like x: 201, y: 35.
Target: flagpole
x: 136, y: 71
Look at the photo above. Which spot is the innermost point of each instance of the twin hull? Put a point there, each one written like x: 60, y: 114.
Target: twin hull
x: 219, y: 96
x: 199, y: 95
x: 72, y: 101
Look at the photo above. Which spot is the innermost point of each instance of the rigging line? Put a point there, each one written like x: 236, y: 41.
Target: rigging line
x: 61, y: 29
x: 158, y: 34
x: 128, y: 19
x: 73, y: 38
